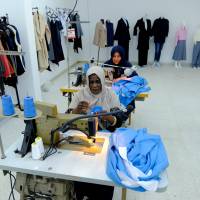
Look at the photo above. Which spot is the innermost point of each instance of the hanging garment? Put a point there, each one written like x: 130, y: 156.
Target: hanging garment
x: 41, y: 28
x: 50, y: 45
x: 137, y: 160
x: 13, y: 45
x: 8, y: 69
x: 110, y: 33
x: 122, y: 35
x: 197, y: 36
x: 56, y: 27
x: 196, y: 55
x: 160, y: 31
x: 143, y: 40
x: 142, y: 57
x: 158, y: 50
x: 10, y: 40
x: 19, y: 46
x: 2, y: 70
x: 180, y: 49
x: 100, y: 36
x: 78, y: 32
x: 128, y: 89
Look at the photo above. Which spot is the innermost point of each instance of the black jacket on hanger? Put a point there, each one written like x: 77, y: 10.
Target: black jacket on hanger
x: 110, y: 33
x: 56, y: 27
x: 160, y: 30
x: 122, y: 35
x: 144, y: 34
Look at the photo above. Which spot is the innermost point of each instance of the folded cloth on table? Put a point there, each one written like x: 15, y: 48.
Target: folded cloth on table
x: 130, y: 88
x: 137, y: 160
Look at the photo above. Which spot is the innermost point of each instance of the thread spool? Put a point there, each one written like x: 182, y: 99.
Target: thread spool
x: 39, y: 142
x: 7, y: 105
x: 29, y: 107
x: 35, y: 150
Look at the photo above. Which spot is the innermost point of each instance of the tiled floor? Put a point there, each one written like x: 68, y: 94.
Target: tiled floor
x: 172, y: 110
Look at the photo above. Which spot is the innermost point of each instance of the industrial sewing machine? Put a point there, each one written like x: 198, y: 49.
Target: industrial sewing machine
x: 49, y: 124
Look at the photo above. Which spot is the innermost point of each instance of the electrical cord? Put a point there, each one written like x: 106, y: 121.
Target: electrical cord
x: 12, y: 185
x: 52, y: 149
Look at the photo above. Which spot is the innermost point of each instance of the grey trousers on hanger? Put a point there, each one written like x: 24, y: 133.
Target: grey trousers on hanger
x: 196, y: 55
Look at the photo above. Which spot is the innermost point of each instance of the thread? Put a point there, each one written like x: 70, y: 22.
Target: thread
x: 39, y: 142
x: 29, y: 107
x: 7, y: 105
x: 35, y: 150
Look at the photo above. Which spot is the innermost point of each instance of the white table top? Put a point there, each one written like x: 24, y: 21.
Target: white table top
x: 65, y: 164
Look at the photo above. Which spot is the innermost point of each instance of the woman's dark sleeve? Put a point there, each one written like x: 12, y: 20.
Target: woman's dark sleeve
x: 121, y: 118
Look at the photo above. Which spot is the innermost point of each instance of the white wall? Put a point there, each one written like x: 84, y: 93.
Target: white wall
x: 175, y: 11
x: 20, y: 15
x: 73, y: 57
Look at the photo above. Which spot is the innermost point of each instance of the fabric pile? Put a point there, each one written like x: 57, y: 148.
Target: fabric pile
x: 130, y: 88
x: 137, y: 160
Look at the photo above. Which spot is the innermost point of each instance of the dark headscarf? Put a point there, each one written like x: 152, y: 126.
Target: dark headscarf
x: 121, y: 51
x: 123, y: 63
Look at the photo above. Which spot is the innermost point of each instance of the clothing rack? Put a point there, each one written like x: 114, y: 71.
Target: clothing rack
x: 14, y: 53
x: 11, y: 53
x: 68, y: 73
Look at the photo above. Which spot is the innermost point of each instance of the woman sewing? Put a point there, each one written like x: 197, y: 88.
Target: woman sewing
x: 118, y: 62
x: 95, y: 93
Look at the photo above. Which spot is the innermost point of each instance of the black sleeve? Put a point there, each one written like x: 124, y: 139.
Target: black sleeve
x: 135, y: 28
x: 167, y: 27
x: 117, y: 32
x: 117, y: 125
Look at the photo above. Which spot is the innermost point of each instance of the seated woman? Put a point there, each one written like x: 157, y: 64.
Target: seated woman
x: 118, y: 59
x: 95, y: 93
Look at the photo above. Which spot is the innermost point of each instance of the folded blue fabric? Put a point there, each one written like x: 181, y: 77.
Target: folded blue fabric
x: 145, y: 151
x: 127, y: 90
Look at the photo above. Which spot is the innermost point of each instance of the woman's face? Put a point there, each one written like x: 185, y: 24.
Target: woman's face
x: 95, y: 84
x: 116, y: 58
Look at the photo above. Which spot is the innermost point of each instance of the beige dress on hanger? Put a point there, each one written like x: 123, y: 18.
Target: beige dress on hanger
x: 41, y: 29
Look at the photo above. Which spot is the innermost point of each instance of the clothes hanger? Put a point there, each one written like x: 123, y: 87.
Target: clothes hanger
x: 102, y: 21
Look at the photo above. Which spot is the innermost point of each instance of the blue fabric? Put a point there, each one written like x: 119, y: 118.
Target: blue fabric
x: 145, y: 151
x: 127, y: 90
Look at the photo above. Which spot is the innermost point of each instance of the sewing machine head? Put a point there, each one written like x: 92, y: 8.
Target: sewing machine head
x: 51, y: 119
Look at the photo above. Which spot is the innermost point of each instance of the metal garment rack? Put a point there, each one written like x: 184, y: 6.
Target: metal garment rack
x: 68, y: 63
x: 60, y: 12
x: 14, y: 53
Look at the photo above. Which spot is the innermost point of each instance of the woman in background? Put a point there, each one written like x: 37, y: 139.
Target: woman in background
x: 118, y: 59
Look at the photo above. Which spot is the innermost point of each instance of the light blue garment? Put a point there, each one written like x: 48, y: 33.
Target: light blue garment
x: 145, y: 151
x: 128, y: 90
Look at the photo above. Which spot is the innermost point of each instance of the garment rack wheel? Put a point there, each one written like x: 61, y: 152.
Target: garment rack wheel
x: 124, y: 192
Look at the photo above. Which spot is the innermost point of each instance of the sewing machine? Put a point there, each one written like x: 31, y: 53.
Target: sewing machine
x: 51, y: 119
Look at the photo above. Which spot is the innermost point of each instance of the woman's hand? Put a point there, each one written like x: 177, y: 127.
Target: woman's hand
x: 82, y: 108
x: 108, y: 118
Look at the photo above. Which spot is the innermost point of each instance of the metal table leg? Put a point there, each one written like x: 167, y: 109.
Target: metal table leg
x: 124, y: 191
x: 3, y: 156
